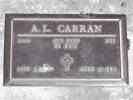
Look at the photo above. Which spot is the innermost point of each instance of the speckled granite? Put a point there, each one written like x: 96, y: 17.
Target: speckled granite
x: 71, y: 7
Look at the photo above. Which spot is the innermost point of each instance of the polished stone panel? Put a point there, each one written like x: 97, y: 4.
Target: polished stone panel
x: 70, y: 49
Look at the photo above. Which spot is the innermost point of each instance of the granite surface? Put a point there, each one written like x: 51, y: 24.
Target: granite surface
x: 67, y: 7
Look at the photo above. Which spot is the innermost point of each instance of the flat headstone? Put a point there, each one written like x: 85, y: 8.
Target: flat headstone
x: 70, y: 49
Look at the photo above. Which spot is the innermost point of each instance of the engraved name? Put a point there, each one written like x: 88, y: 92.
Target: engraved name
x: 68, y: 28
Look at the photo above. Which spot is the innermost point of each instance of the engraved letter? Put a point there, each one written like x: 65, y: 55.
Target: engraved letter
x: 90, y: 29
x: 82, y: 28
x: 61, y: 28
x: 45, y: 28
x: 67, y: 28
x: 75, y: 29
x: 34, y: 29
x: 98, y: 28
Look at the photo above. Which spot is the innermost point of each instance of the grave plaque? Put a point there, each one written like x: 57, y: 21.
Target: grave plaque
x: 69, y: 49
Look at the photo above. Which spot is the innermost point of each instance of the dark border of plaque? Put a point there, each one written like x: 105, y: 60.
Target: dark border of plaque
x: 10, y: 81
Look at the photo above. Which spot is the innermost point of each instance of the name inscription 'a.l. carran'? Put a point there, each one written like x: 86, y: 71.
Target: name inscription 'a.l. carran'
x: 69, y: 28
